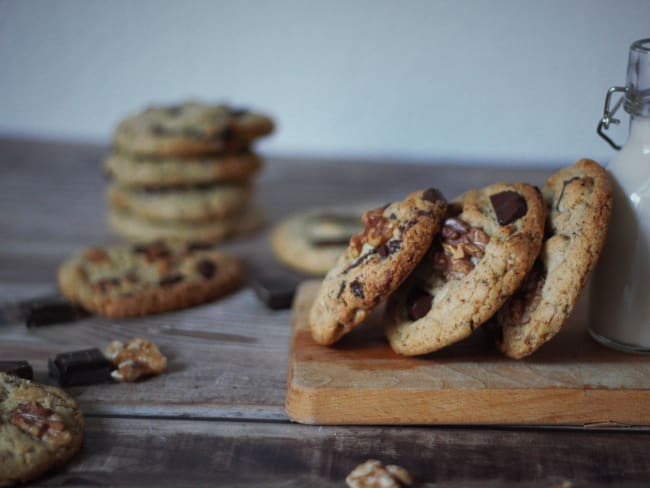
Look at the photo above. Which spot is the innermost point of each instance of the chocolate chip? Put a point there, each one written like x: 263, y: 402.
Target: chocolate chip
x: 433, y: 195
x: 419, y: 304
x: 170, y: 280
x: 389, y: 248
x: 50, y: 312
x: 227, y: 134
x: 105, y: 284
x: 155, y: 250
x: 508, y: 206
x: 357, y: 289
x: 341, y: 289
x: 276, y: 292
x: 206, y: 268
x: 174, y: 110
x: 85, y: 367
x: 198, y: 246
x: 158, y: 130
x: 21, y: 369
x: 131, y: 277
x: 239, y: 111
x: 192, y: 133
x: 383, y: 251
x: 454, y: 210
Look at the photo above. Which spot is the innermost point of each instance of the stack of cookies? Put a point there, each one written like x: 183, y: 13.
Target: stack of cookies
x: 185, y: 172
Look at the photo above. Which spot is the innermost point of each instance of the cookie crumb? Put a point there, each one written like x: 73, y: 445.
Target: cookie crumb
x: 373, y: 474
x: 135, y: 358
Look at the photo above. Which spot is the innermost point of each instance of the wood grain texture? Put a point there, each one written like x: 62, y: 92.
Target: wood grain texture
x: 167, y: 453
x: 360, y: 380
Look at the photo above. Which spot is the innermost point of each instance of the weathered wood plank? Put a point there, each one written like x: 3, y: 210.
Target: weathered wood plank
x: 143, y: 452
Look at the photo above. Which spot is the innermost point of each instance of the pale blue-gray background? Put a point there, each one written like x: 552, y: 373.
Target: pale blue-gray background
x: 507, y: 81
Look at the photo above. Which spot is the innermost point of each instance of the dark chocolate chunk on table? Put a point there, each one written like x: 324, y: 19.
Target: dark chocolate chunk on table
x: 86, y: 367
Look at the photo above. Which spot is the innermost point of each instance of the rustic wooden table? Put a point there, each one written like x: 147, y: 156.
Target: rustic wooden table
x: 217, y: 417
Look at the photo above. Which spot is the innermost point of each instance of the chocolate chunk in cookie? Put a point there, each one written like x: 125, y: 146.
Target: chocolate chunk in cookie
x: 488, y: 243
x: 508, y: 206
x: 378, y: 259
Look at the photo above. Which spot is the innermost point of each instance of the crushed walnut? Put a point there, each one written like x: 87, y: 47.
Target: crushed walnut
x: 377, y: 231
x: 135, y: 358
x: 38, y: 421
x: 373, y: 474
x: 459, y: 249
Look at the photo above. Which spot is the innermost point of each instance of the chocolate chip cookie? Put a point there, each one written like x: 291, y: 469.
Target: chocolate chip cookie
x: 140, y: 279
x: 579, y: 200
x: 41, y: 427
x: 488, y: 243
x: 199, y: 202
x: 376, y: 261
x: 313, y: 240
x: 190, y: 128
x: 136, y: 171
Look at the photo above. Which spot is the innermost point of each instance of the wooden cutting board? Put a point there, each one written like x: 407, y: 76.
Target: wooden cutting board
x: 572, y: 380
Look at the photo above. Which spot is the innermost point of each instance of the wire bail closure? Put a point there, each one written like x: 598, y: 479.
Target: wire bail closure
x: 608, y: 115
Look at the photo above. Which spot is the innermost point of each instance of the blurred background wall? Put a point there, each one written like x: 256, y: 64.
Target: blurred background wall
x: 481, y: 81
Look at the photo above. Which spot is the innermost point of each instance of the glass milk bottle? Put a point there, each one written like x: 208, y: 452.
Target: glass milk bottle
x: 620, y: 302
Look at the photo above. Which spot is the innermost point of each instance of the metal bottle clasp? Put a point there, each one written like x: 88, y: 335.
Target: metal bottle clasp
x: 608, y: 115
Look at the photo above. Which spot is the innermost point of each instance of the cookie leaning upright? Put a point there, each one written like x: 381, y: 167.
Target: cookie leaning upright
x: 488, y: 243
x: 41, y: 427
x: 375, y: 263
x: 121, y: 281
x: 579, y: 200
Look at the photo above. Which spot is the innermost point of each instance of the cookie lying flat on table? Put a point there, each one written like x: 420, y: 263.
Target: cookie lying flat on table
x: 41, y: 427
x: 122, y: 280
x: 375, y: 263
x: 579, y: 200
x: 488, y: 243
x: 312, y: 241
x: 184, y: 203
x: 131, y: 170
x: 190, y: 128
x: 136, y: 228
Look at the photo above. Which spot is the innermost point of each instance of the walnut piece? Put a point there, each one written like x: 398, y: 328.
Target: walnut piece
x: 373, y: 474
x: 38, y: 421
x: 461, y: 247
x: 378, y: 230
x: 135, y: 358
